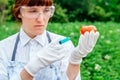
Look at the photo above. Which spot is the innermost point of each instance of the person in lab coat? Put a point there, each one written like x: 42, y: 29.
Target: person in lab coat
x: 35, y: 53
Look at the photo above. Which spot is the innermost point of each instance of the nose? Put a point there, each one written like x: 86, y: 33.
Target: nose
x: 40, y: 17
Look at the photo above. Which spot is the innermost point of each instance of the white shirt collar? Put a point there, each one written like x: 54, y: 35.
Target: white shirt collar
x: 41, y: 39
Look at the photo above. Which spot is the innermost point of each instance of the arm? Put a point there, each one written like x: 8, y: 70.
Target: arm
x: 25, y: 75
x: 85, y: 46
x: 69, y: 71
x: 72, y: 71
x: 49, y: 54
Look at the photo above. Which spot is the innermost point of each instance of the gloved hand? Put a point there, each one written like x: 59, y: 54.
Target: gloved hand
x: 49, y: 54
x: 85, y: 46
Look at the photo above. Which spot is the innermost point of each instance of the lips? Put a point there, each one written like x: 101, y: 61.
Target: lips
x: 39, y: 26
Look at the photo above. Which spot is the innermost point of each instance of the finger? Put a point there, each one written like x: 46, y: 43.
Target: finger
x: 86, y: 40
x: 91, y: 39
x: 82, y: 46
x: 96, y: 37
x: 81, y: 43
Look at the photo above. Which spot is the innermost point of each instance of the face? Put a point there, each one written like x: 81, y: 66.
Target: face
x: 35, y: 19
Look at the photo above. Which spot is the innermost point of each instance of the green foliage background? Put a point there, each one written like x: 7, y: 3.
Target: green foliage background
x: 78, y: 10
x: 103, y: 62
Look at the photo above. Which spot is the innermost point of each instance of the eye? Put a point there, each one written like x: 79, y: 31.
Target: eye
x: 47, y: 10
x: 32, y: 11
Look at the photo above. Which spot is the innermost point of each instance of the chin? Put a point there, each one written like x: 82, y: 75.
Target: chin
x: 39, y: 33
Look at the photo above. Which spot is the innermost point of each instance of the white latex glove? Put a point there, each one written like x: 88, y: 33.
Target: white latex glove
x: 85, y: 46
x: 49, y: 54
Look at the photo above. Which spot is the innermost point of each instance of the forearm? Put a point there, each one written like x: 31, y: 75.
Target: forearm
x: 25, y: 75
x: 72, y: 71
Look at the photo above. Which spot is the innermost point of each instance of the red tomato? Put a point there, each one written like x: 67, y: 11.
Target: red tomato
x: 87, y: 28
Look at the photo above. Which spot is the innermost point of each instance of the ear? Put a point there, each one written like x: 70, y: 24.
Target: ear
x: 19, y: 16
